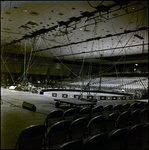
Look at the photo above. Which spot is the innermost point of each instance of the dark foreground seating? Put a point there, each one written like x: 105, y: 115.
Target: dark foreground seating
x: 58, y: 134
x: 33, y: 137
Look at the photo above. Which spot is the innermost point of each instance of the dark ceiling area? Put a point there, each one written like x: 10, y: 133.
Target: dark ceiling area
x: 43, y: 34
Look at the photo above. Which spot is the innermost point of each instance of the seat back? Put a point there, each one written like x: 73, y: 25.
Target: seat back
x: 70, y: 114
x: 85, y: 112
x: 133, y: 106
x: 78, y: 128
x: 58, y: 133
x: 116, y: 139
x: 117, y: 108
x: 125, y: 107
x: 107, y: 110
x: 146, y: 105
x: 96, y: 125
x: 96, y: 111
x: 143, y: 116
x: 123, y: 120
x: 31, y: 138
x: 134, y: 117
x: 140, y: 105
x: 96, y: 141
x: 75, y: 144
x: 53, y: 117
x: 144, y: 137
x: 110, y: 122
x: 132, y: 137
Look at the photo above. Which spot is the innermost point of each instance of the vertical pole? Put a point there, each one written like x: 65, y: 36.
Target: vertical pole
x: 143, y: 47
x: 100, y: 75
x: 24, y: 62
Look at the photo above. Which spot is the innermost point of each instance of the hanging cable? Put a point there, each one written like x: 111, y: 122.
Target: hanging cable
x: 9, y: 71
x: 72, y: 52
x: 24, y: 75
x: 61, y: 61
x: 92, y: 5
x: 6, y: 29
x: 29, y: 60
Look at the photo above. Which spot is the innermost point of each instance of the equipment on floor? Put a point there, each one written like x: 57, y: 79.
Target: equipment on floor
x: 29, y: 106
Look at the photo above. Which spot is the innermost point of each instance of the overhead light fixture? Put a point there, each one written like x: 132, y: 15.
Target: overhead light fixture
x: 102, y: 8
x: 25, y: 10
x: 33, y: 13
x: 87, y: 14
x: 138, y: 36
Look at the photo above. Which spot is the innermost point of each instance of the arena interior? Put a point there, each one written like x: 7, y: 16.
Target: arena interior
x: 74, y: 74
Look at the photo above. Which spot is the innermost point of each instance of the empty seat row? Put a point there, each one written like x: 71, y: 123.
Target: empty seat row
x: 84, y: 127
x: 125, y: 118
x: 135, y: 137
x: 104, y: 110
x: 33, y: 137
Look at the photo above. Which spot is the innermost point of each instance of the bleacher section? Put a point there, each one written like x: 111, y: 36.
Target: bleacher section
x: 119, y: 126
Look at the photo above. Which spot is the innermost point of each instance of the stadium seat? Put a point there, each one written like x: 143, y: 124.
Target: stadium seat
x: 78, y: 128
x: 85, y: 112
x: 134, y: 117
x: 58, y: 134
x: 125, y: 107
x: 123, y: 120
x: 143, y: 142
x: 70, y: 114
x: 116, y: 138
x: 96, y: 111
x: 133, y: 106
x: 96, y: 125
x: 110, y: 122
x: 143, y: 116
x: 52, y: 118
x: 75, y: 144
x: 117, y: 108
x: 33, y: 137
x: 132, y: 137
x: 107, y: 110
x: 95, y: 142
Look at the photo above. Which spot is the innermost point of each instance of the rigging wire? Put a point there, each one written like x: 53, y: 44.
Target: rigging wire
x: 126, y: 43
x: 61, y: 61
x: 9, y: 71
x: 6, y: 28
x: 24, y: 75
x: 72, y: 52
x: 90, y: 65
x: 92, y: 5
x: 81, y: 67
x: 35, y: 62
x: 119, y: 52
x: 29, y: 59
x: 122, y: 36
x: 53, y: 52
x: 4, y: 61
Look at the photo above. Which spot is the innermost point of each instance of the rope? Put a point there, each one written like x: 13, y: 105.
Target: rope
x: 71, y: 51
x: 61, y: 61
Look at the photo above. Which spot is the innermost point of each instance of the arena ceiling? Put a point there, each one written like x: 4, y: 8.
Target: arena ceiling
x: 75, y: 30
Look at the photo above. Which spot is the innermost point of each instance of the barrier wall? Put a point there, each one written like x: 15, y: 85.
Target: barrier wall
x: 87, y: 95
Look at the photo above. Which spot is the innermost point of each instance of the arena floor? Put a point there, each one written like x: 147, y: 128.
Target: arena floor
x: 14, y: 118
